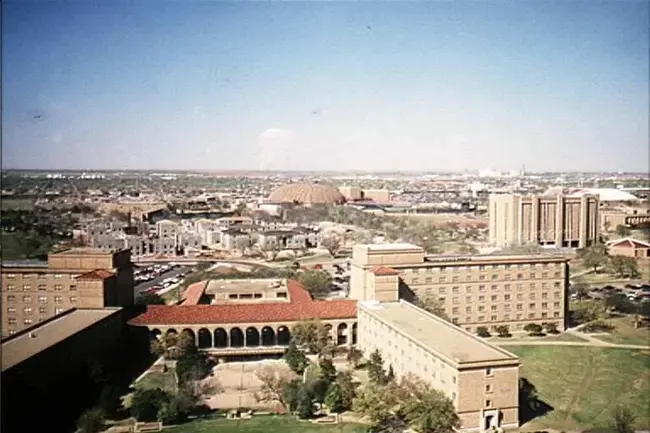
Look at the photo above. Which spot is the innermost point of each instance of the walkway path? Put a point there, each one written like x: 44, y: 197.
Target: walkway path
x: 589, y: 341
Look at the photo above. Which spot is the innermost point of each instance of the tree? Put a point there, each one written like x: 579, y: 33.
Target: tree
x: 274, y: 385
x: 623, y: 231
x: 305, y: 405
x: 644, y: 309
x: 347, y: 388
x: 619, y: 302
x: 242, y: 243
x: 110, y: 401
x: 624, y: 267
x: 375, y: 368
x: 503, y: 331
x: 433, y: 305
x: 146, y: 403
x: 331, y: 242
x: 550, y: 327
x: 334, y: 398
x: 295, y: 358
x: 427, y: 409
x: 291, y: 392
x: 483, y: 332
x: 317, y: 282
x: 354, y: 356
x: 91, y: 421
x: 150, y: 298
x: 581, y: 289
x: 534, y: 329
x: 311, y: 335
x: 374, y: 402
x: 317, y: 389
x: 623, y: 420
x: 593, y: 256
x: 390, y: 375
x: 174, y: 411
x: 327, y: 370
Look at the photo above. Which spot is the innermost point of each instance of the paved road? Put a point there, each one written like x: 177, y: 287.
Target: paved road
x: 140, y: 288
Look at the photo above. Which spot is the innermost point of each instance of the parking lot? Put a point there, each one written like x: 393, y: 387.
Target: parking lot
x: 158, y: 277
x: 635, y: 293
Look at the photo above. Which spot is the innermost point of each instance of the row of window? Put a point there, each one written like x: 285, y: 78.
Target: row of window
x: 494, y: 277
x: 41, y: 299
x: 495, y: 298
x: 507, y: 317
x: 40, y: 276
x: 40, y: 287
x: 507, y: 307
x: 506, y: 266
x: 28, y: 320
x: 494, y: 288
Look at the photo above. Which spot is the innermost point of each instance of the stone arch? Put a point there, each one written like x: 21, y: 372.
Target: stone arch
x: 342, y: 334
x: 267, y: 336
x: 189, y: 333
x: 252, y: 337
x: 205, y: 338
x: 284, y: 336
x: 171, y: 331
x: 236, y: 337
x: 155, y: 334
x: 328, y: 329
x: 354, y: 333
x: 220, y: 338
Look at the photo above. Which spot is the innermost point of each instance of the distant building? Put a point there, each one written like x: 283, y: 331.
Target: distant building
x: 629, y: 248
x: 628, y: 216
x: 50, y: 366
x: 481, y: 380
x: 480, y: 290
x: 77, y: 278
x: 560, y: 221
x: 355, y: 193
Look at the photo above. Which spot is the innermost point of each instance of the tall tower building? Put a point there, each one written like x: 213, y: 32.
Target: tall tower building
x: 562, y: 221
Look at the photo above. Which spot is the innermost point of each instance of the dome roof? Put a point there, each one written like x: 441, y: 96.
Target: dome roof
x: 309, y: 193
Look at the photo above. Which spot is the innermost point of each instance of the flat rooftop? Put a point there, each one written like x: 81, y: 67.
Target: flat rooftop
x: 245, y: 286
x: 435, y: 334
x: 390, y: 247
x: 82, y: 251
x: 32, y: 341
x: 24, y: 264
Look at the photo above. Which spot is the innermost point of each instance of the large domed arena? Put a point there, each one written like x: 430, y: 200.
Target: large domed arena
x: 307, y: 193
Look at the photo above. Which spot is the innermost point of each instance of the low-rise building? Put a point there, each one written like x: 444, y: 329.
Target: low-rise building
x: 482, y: 380
x: 629, y: 247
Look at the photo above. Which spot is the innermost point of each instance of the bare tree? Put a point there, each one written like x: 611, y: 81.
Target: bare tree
x: 273, y: 385
x: 242, y: 243
x: 331, y: 242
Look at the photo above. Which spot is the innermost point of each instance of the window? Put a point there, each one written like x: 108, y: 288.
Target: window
x: 468, y: 289
x: 42, y: 287
x: 58, y: 276
x: 493, y: 318
x: 415, y: 280
x: 520, y: 307
x: 481, y: 318
x: 488, y: 388
x: 455, y: 300
x: 42, y: 299
x: 11, y: 309
x: 489, y: 372
x: 556, y: 305
x: 28, y: 321
x: 42, y: 310
x: 506, y: 307
x: 58, y: 287
x: 544, y: 305
x: 232, y: 296
x: 481, y: 277
x: 481, y: 298
x: 545, y: 295
x: 495, y: 276
x: 428, y: 280
x: 442, y: 290
x: 481, y: 267
x: 556, y: 284
x: 42, y: 276
x: 281, y: 294
x: 544, y: 315
x: 532, y: 275
x: 468, y: 310
x: 531, y: 296
x: 257, y: 296
x: 531, y: 306
x: 453, y: 379
x: 73, y: 288
x: 520, y: 276
x: 27, y: 299
x: 58, y: 299
x: 58, y: 310
x: 481, y: 288
x: 11, y: 298
x: 455, y: 290
x: 507, y: 287
x: 27, y: 310
x: 453, y: 396
x: 11, y: 276
x: 544, y: 274
x: 556, y: 314
x: 494, y: 298
x: 488, y: 403
x: 493, y: 308
x: 10, y: 287
x: 481, y: 308
x: 506, y: 297
x: 442, y: 279
x: 468, y: 299
x: 544, y: 285
x: 520, y: 296
x: 73, y: 299
x: 12, y: 320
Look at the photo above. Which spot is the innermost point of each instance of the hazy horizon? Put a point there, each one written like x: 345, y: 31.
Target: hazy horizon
x: 320, y: 86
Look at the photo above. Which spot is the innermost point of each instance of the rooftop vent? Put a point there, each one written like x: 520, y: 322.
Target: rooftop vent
x: 32, y: 335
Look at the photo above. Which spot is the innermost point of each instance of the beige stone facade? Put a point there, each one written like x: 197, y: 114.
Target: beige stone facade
x: 76, y: 278
x: 480, y: 379
x: 482, y: 290
x: 560, y: 221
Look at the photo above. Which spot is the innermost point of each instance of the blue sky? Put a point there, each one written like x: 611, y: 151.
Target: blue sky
x: 326, y: 85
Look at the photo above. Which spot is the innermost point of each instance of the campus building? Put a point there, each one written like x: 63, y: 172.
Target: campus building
x: 561, y: 221
x: 480, y: 290
x: 480, y: 379
x: 47, y: 369
x: 252, y: 317
x: 76, y: 278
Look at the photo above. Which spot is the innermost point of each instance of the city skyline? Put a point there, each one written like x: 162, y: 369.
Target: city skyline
x: 326, y: 86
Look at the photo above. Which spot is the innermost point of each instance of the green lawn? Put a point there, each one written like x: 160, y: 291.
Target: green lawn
x: 584, y: 385
x: 625, y: 333
x: 157, y: 379
x: 263, y: 424
x: 526, y: 338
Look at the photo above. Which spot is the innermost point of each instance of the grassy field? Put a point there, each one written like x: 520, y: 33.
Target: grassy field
x: 526, y: 337
x: 11, y: 247
x: 625, y: 333
x: 583, y: 385
x: 263, y: 425
x: 18, y: 204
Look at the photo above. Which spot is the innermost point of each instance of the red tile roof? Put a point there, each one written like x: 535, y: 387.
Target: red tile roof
x: 300, y: 307
x: 193, y: 293
x: 97, y: 274
x: 384, y: 270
